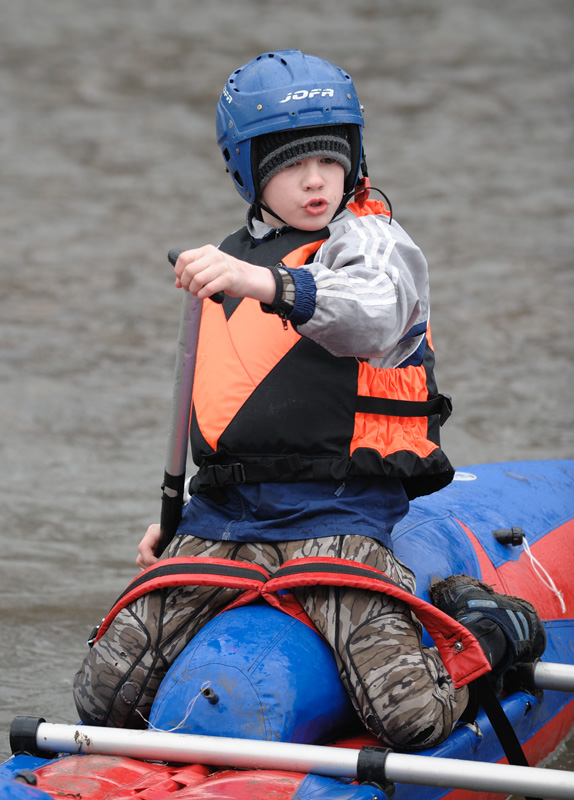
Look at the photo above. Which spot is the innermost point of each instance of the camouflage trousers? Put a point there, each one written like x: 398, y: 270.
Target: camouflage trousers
x: 399, y: 688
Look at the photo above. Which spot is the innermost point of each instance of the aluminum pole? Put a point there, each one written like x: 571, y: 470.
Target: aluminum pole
x: 368, y: 764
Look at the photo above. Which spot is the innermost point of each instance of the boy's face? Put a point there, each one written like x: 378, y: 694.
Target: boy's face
x: 306, y: 195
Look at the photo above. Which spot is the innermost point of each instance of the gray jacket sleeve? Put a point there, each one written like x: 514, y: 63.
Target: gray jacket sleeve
x: 371, y: 291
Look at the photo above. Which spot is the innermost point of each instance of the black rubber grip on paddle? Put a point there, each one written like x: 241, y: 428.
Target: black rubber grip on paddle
x: 171, y: 509
x: 172, y: 257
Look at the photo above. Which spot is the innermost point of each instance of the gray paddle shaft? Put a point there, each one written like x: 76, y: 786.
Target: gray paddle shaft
x: 177, y: 447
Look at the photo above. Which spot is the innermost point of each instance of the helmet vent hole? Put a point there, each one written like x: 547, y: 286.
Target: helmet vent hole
x: 226, y: 155
x: 237, y: 177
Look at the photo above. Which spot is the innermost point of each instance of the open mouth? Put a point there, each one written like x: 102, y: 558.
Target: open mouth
x: 316, y: 206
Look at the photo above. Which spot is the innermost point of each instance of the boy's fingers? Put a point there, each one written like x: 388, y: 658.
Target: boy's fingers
x: 194, y: 262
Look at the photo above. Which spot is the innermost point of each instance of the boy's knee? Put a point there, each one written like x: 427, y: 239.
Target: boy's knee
x: 86, y: 695
x: 106, y: 693
x: 404, y: 733
x: 424, y: 716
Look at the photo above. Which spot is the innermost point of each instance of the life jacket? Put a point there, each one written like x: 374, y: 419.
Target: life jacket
x: 272, y: 405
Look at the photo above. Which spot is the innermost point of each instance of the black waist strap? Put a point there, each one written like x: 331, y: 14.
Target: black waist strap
x: 220, y: 475
x: 441, y: 404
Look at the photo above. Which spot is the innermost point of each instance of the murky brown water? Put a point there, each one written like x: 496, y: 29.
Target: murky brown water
x: 108, y: 160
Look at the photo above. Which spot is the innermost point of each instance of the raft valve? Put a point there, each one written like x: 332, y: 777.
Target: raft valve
x: 513, y: 536
x: 210, y: 695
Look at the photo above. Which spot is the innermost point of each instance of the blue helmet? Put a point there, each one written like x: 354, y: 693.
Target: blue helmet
x: 281, y: 91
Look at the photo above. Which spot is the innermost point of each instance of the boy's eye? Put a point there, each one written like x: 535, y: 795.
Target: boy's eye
x: 328, y: 160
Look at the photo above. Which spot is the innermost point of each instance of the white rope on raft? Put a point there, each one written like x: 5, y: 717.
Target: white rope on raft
x: 543, y: 575
x: 188, y: 713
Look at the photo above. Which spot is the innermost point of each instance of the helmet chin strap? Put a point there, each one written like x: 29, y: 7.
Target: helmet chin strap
x: 260, y: 206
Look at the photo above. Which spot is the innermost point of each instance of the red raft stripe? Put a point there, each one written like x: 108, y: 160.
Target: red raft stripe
x: 174, y: 572
x: 459, y: 649
x: 556, y: 554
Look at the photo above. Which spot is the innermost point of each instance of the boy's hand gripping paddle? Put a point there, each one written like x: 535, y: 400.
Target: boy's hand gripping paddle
x: 174, y: 475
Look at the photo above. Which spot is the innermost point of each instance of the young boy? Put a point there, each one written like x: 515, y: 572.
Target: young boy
x: 315, y: 415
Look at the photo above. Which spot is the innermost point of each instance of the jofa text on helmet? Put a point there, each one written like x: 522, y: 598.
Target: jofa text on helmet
x: 302, y: 94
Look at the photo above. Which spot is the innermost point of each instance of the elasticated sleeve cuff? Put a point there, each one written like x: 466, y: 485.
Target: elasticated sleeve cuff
x: 305, y: 296
x: 295, y: 295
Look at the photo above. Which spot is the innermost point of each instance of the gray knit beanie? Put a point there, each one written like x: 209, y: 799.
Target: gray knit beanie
x: 275, y: 151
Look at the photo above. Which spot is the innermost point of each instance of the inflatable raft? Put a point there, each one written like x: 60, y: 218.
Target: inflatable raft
x: 253, y: 707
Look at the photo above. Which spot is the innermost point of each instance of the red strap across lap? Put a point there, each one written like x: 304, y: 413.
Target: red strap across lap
x: 460, y: 651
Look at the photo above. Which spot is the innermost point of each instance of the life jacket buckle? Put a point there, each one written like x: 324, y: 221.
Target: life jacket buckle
x: 225, y: 474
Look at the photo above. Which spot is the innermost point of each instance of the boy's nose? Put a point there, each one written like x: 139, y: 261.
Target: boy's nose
x: 312, y: 176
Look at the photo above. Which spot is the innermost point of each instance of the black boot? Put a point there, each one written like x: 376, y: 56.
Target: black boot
x: 508, y: 629
x: 512, y: 636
